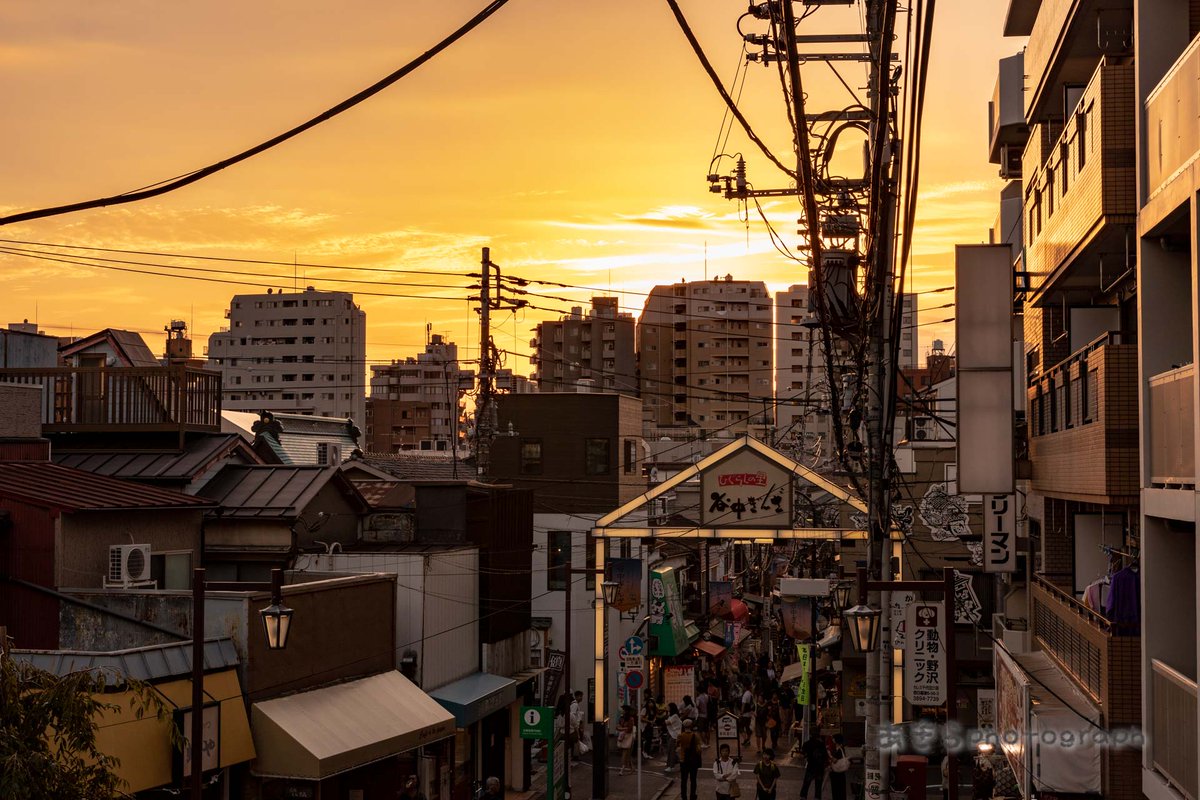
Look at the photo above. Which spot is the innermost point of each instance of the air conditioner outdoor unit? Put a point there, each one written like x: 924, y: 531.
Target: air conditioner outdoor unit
x: 128, y: 565
x: 1010, y: 162
x: 924, y: 429
x: 329, y: 454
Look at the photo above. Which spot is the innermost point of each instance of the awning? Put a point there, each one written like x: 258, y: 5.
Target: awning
x: 319, y: 733
x: 527, y: 674
x: 475, y: 696
x: 709, y: 648
x: 791, y: 672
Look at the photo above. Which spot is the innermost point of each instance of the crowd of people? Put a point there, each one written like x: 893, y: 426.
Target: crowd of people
x: 767, y: 713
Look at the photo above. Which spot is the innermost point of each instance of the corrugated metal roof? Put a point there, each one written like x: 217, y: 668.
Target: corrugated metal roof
x: 152, y: 663
x: 47, y: 485
x: 174, y: 467
x: 268, y: 491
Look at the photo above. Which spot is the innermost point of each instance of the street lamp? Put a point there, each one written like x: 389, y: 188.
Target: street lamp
x: 863, y: 622
x: 841, y: 595
x: 277, y: 618
x: 610, y: 592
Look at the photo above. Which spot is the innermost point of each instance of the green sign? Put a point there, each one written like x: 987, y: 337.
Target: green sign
x: 537, y: 722
x: 667, y: 625
x: 804, y: 659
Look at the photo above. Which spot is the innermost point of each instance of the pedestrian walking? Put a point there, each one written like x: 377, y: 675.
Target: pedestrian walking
x: 689, y: 761
x: 725, y: 770
x: 839, y: 765
x: 816, y: 760
x: 702, y: 725
x: 774, y: 723
x: 674, y: 727
x: 746, y: 716
x: 761, y: 714
x: 626, y: 734
x: 767, y: 775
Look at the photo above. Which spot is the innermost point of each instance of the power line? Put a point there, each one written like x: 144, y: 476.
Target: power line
x: 163, y: 187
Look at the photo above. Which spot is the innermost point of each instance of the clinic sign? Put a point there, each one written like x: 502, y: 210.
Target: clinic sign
x: 746, y: 490
x: 925, y: 654
x: 1000, y: 534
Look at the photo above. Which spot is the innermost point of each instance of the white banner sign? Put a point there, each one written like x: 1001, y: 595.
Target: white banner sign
x: 985, y: 700
x: 925, y: 654
x: 1000, y: 534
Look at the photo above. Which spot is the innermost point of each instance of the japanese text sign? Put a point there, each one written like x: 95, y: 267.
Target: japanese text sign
x: 1000, y: 534
x: 925, y: 654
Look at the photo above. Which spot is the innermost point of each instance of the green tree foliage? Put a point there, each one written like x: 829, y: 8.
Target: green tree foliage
x: 48, y: 731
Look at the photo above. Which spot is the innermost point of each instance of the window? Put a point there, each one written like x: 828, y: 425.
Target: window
x: 630, y: 456
x: 172, y: 570
x: 531, y: 456
x: 596, y: 456
x: 558, y: 556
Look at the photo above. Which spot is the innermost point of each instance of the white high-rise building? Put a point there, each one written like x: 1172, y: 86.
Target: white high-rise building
x: 300, y: 352
x: 801, y: 385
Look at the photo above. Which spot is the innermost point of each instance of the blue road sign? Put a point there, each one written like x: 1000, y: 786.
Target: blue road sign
x: 635, y: 645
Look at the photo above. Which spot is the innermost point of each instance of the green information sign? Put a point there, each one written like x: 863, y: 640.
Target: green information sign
x: 537, y: 722
x: 804, y: 659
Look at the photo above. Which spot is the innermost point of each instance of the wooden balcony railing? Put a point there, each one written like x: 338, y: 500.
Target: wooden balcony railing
x: 125, y: 399
x: 1173, y: 737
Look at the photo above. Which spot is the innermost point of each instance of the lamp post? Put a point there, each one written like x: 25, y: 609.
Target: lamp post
x: 599, y: 776
x: 277, y: 622
x: 864, y: 624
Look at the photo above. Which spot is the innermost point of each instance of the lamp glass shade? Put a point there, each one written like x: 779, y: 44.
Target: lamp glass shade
x: 841, y: 595
x: 863, y: 624
x: 610, y: 591
x: 277, y: 620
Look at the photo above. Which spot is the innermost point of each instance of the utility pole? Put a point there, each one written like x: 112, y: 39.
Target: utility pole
x: 489, y: 358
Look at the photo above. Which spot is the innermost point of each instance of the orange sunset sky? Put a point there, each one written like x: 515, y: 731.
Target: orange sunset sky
x: 571, y: 137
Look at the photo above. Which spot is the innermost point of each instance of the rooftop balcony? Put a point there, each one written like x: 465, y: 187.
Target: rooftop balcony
x: 1080, y: 202
x: 1173, y: 120
x: 1083, y: 425
x: 173, y: 399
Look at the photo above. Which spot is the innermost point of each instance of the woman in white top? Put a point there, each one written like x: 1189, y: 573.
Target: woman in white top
x: 674, y: 726
x: 725, y: 770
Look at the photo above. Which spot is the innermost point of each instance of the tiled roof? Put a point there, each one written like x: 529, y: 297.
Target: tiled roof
x: 47, y: 485
x: 152, y: 467
x: 416, y: 465
x: 269, y: 491
x: 386, y: 494
x: 143, y: 663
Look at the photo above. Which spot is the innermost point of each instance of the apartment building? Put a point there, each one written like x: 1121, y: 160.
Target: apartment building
x: 1168, y: 67
x: 416, y: 403
x: 300, y: 352
x: 1062, y: 131
x: 803, y: 416
x: 592, y: 349
x: 705, y: 354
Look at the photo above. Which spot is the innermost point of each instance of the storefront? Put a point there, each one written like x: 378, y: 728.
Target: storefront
x: 357, y: 739
x: 484, y: 707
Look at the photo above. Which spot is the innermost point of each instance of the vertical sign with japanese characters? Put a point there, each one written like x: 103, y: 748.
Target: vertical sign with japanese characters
x: 804, y: 659
x: 925, y: 654
x: 898, y: 602
x: 1000, y: 534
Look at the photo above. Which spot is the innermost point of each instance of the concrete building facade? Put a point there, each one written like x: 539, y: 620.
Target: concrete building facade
x: 416, y: 403
x: 587, y: 350
x: 301, y: 352
x: 705, y: 356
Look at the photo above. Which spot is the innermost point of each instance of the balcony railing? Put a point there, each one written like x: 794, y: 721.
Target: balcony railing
x: 1172, y: 428
x: 1044, y: 39
x: 1173, y: 119
x: 125, y: 399
x: 1173, y: 738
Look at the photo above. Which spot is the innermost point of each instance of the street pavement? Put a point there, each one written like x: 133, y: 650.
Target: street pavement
x: 659, y: 784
